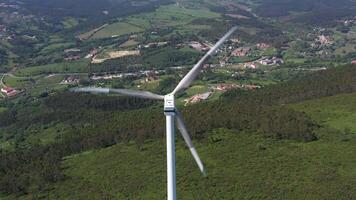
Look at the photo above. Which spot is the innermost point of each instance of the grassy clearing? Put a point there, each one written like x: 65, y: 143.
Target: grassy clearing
x: 17, y: 82
x: 197, y: 89
x: 240, y: 166
x: 129, y: 43
x: 338, y: 112
x: 296, y: 60
x: 243, y: 59
x: 49, y: 84
x: 143, y: 23
x: 47, y: 135
x: 349, y: 48
x: 55, y: 46
x: 64, y: 67
x: 174, y: 15
x: 163, y: 17
x: 116, y: 29
x: 70, y: 22
x: 2, y: 109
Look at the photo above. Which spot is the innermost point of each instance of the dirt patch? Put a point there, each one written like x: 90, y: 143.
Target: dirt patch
x: 115, y: 54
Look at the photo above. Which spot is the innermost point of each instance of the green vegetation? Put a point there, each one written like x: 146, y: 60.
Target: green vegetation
x: 169, y: 57
x: 115, y: 30
x: 240, y: 165
x: 18, y: 82
x: 164, y: 16
x: 78, y: 129
x: 338, y: 112
x: 292, y: 139
x: 243, y: 59
x: 2, y: 109
x: 64, y: 67
x: 70, y: 22
x: 56, y: 46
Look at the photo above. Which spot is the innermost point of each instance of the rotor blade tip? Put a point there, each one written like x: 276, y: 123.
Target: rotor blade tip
x: 204, y: 173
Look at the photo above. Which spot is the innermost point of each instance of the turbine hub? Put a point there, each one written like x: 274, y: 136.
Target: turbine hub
x: 169, y: 104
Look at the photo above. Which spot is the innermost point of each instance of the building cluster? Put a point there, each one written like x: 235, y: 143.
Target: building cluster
x: 4, y: 5
x: 9, y: 91
x: 71, y: 80
x: 199, y: 46
x: 250, y: 65
x: 198, y: 98
x: 227, y: 87
x: 347, y: 22
x: 263, y: 46
x: 92, y: 53
x: 324, y: 40
x: 241, y: 52
x: 270, y: 61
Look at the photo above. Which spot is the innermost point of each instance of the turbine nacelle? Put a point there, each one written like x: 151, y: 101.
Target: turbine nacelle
x: 169, y: 104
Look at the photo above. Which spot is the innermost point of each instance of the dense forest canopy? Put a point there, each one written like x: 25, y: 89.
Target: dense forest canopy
x: 100, y: 121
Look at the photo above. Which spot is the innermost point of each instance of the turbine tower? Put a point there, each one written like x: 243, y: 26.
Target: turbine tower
x: 171, y: 113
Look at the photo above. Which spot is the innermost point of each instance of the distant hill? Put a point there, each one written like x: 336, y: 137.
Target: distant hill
x: 314, y: 11
x: 91, y: 9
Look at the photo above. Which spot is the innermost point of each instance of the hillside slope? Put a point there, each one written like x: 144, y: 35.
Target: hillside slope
x: 241, y: 165
x: 63, y: 125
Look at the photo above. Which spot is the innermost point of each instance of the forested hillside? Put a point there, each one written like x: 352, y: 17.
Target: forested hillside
x: 90, y: 9
x: 274, y: 8
x: 81, y: 123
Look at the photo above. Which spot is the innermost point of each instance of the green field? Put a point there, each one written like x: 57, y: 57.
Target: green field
x: 116, y: 29
x: 55, y: 47
x: 164, y: 16
x: 349, y: 48
x: 17, y: 82
x: 243, y: 59
x: 70, y: 22
x: 47, y: 84
x: 338, y: 112
x: 64, y: 67
x: 47, y: 135
x: 2, y: 109
x: 173, y: 15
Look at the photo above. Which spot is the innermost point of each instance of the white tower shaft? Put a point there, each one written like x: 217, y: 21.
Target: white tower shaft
x: 171, y: 166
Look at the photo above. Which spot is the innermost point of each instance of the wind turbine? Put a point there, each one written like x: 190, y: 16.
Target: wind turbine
x: 171, y: 113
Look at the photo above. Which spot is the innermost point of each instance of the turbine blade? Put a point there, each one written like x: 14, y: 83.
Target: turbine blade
x: 132, y: 93
x: 183, y: 130
x: 190, y: 77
